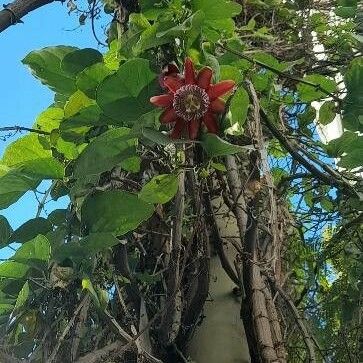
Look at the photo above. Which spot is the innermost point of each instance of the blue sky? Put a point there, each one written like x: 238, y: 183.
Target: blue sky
x: 22, y: 97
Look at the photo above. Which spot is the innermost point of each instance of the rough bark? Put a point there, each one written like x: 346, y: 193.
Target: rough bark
x: 15, y: 11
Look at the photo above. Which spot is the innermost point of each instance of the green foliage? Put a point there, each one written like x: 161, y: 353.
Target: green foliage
x: 14, y: 183
x: 14, y: 270
x: 160, y: 189
x: 109, y: 149
x: 75, y: 62
x: 327, y: 112
x: 215, y: 146
x: 239, y: 107
x: 110, y: 212
x: 217, y: 17
x: 29, y: 154
x: 126, y: 98
x: 5, y: 231
x: 35, y: 251
x: 96, y: 242
x: 30, y: 230
x: 89, y: 78
x: 101, y: 141
x: 45, y: 64
x: 319, y: 88
x: 22, y: 297
x: 353, y: 109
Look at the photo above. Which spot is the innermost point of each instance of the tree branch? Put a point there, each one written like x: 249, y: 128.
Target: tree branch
x: 294, y: 149
x: 309, y: 342
x: 14, y: 11
x: 20, y: 128
x: 280, y: 73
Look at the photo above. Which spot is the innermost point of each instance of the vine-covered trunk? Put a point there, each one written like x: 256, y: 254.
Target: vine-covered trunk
x: 244, y: 230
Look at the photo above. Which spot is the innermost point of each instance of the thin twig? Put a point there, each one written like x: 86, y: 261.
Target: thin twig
x: 325, y: 177
x: 44, y: 199
x: 67, y: 329
x: 280, y: 73
x: 299, y: 320
x: 21, y: 128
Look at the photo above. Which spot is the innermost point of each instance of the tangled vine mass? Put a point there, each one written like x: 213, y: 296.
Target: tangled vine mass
x: 205, y: 213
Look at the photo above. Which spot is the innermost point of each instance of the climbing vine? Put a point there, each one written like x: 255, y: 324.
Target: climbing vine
x: 122, y: 273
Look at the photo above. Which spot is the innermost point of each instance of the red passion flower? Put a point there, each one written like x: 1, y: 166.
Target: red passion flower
x: 191, y: 100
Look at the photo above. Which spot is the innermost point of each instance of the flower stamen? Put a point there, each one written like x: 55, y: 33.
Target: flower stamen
x: 191, y: 102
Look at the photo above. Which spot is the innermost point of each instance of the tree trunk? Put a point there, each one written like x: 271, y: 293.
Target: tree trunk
x: 221, y: 337
x: 14, y: 11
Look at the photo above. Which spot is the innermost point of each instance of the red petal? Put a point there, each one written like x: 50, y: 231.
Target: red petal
x: 173, y: 83
x: 219, y: 89
x: 210, y: 122
x: 204, y: 77
x: 178, y: 129
x: 168, y: 116
x: 189, y: 72
x: 193, y: 128
x: 217, y: 105
x: 162, y: 100
x: 171, y: 69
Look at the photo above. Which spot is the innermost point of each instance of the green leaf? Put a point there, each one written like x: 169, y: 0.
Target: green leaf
x: 68, y: 149
x: 76, y: 102
x: 309, y: 199
x: 45, y: 64
x: 218, y: 166
x: 262, y: 80
x: 353, y: 103
x: 131, y: 164
x: 30, y: 230
x: 147, y: 278
x: 29, y: 153
x: 156, y: 136
x: 13, y: 270
x: 111, y: 57
x: 152, y: 8
x: 117, y: 212
x: 133, y: 75
x: 103, y: 297
x: 190, y: 30
x: 96, y: 242
x: 230, y: 72
x: 160, y: 189
x: 5, y: 308
x: 344, y: 144
x: 75, y: 125
x: 57, y: 217
x: 346, y: 11
x: 269, y: 60
x: 307, y: 117
x: 125, y: 94
x: 87, y: 285
x: 89, y: 79
x: 327, y: 204
x: 105, y: 152
x: 49, y: 119
x: 78, y: 60
x: 151, y: 36
x: 353, y: 158
x: 36, y: 251
x: 216, y: 9
x: 327, y: 112
x: 239, y: 106
x: 5, y: 232
x: 14, y: 182
x: 310, y: 93
x: 22, y: 297
x: 215, y: 146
